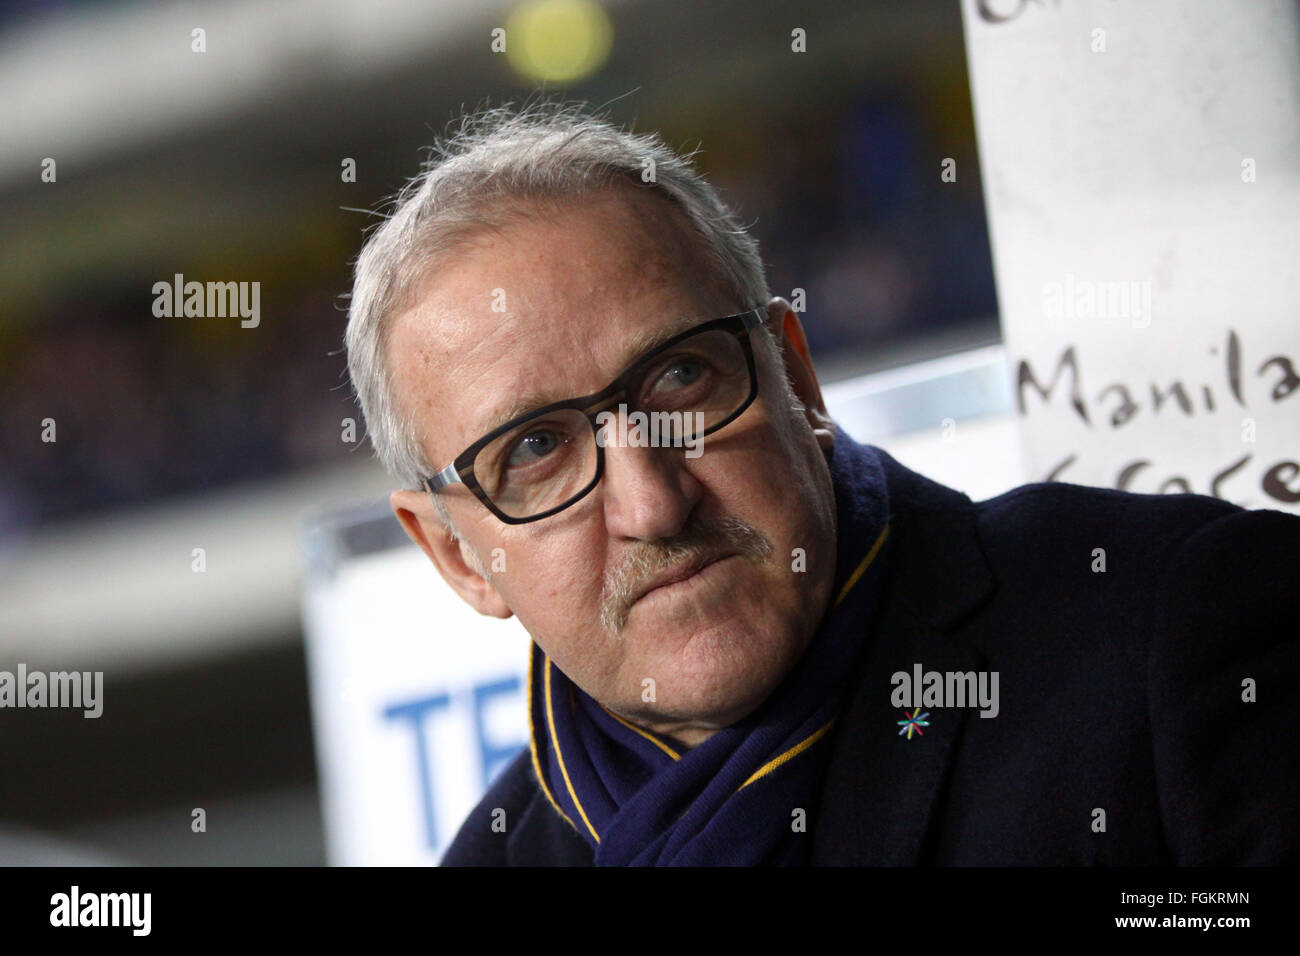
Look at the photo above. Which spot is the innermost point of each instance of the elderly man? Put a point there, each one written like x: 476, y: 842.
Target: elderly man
x: 755, y: 640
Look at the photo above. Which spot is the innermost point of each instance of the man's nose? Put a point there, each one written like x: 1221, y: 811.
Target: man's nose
x: 649, y: 493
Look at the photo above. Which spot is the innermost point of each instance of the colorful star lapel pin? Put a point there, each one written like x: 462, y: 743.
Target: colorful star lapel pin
x: 915, y: 721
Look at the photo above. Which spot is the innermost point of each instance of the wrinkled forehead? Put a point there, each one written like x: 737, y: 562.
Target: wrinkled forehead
x: 545, y: 307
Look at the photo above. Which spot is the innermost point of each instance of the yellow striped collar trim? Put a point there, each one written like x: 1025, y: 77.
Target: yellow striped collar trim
x: 862, y: 568
x: 790, y: 754
x: 816, y: 735
x: 555, y: 742
x: 532, y: 743
x: 644, y: 733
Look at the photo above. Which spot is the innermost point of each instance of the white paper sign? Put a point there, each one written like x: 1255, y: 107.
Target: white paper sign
x: 1141, y: 167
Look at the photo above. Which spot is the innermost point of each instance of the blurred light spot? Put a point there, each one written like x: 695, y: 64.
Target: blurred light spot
x: 558, y: 40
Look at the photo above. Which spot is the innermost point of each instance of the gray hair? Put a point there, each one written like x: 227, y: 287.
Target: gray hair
x: 496, y: 161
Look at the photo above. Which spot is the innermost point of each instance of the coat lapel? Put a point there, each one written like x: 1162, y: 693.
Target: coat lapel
x: 881, y: 788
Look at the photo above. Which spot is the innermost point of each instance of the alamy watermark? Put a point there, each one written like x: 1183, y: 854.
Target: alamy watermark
x: 213, y: 300
x: 1091, y: 299
x: 624, y: 429
x: 75, y: 908
x: 922, y: 688
x: 76, y: 689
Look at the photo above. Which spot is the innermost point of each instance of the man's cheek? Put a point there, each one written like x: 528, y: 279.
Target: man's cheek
x: 544, y: 599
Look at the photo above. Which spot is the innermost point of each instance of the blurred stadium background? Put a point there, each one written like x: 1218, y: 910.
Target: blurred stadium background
x: 176, y: 434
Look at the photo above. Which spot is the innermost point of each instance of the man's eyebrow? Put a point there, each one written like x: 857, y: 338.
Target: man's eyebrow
x: 642, y: 342
x: 646, y: 339
x: 521, y: 407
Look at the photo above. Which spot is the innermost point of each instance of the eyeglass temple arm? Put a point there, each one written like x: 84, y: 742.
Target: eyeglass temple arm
x: 442, y: 479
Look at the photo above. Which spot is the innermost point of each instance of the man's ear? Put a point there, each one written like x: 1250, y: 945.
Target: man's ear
x: 799, y: 367
x: 422, y: 525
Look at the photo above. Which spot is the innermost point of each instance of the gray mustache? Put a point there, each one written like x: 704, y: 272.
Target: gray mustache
x: 705, y: 538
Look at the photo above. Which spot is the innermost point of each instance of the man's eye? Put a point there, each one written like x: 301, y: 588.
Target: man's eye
x: 681, y: 373
x: 533, y: 446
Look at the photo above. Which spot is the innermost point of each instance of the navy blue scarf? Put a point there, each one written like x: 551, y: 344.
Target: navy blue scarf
x: 735, y: 798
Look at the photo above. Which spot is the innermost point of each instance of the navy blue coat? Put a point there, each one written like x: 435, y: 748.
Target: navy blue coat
x: 1119, y: 691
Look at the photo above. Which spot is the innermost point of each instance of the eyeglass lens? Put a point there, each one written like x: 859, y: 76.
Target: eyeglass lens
x: 551, y: 458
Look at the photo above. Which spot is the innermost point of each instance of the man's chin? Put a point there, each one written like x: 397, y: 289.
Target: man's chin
x: 693, y: 642
x: 708, y: 674
x: 695, y: 714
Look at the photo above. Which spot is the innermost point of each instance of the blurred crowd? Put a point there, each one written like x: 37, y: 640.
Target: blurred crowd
x: 854, y: 212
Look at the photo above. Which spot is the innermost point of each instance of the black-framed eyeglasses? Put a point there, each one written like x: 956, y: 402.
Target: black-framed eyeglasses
x: 538, y: 464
